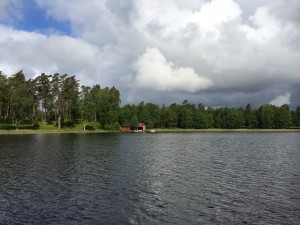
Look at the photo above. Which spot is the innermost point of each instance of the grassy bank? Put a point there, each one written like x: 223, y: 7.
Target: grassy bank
x: 79, y: 129
x: 52, y: 129
x: 62, y: 131
x: 225, y: 130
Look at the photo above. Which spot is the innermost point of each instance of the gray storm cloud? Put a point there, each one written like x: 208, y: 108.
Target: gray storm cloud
x: 219, y: 52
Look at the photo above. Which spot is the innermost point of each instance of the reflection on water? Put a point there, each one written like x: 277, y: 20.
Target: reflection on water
x: 199, y: 178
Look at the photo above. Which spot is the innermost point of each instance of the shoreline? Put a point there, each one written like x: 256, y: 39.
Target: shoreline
x: 216, y: 130
x: 158, y: 130
x: 62, y: 131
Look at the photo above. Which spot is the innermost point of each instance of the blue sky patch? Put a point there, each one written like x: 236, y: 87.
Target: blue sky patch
x: 36, y: 19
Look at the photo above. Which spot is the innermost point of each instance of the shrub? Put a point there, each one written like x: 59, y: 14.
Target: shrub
x: 89, y: 127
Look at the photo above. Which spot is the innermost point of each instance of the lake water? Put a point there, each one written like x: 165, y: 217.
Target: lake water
x: 159, y: 178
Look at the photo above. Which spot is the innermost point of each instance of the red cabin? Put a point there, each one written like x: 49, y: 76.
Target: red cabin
x: 126, y: 128
x: 140, y: 127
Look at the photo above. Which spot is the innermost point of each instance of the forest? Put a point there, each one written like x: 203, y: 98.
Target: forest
x: 59, y: 100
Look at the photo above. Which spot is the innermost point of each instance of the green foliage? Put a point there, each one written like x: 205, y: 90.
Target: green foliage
x: 115, y: 126
x: 250, y: 117
x: 56, y: 97
x: 169, y: 116
x: 128, y: 115
x: 89, y: 127
x: 266, y: 114
x: 19, y: 127
x: 69, y: 124
x: 20, y: 100
x: 150, y: 115
x: 45, y: 95
x: 56, y: 100
x: 203, y: 119
x: 283, y: 117
x: 7, y: 127
x: 186, y: 116
x: 296, y: 117
x: 229, y: 118
x: 87, y: 104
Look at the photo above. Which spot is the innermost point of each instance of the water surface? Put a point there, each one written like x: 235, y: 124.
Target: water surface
x: 160, y: 178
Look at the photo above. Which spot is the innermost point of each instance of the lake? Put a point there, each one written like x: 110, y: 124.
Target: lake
x: 153, y: 178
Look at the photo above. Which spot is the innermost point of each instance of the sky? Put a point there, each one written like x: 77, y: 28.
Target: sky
x: 215, y: 52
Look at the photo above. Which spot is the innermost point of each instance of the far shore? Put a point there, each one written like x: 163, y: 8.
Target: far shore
x: 158, y: 130
x: 226, y: 130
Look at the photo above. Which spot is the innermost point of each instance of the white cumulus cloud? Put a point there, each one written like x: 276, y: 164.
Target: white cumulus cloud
x: 155, y: 72
x: 281, y: 100
x: 36, y: 53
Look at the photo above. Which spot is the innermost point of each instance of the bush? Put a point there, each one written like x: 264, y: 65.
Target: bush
x: 115, y: 126
x: 27, y: 127
x: 27, y: 122
x: 7, y: 127
x: 69, y: 124
x: 89, y: 127
x: 20, y: 127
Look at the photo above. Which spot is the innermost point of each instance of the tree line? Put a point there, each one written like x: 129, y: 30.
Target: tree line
x: 189, y: 116
x: 59, y: 99
x: 55, y: 99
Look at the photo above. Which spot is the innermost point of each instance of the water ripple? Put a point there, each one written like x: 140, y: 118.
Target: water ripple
x: 217, y: 178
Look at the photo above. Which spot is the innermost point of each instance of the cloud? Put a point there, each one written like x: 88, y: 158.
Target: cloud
x: 281, y: 100
x: 155, y: 72
x: 10, y: 10
x: 97, y: 22
x: 36, y: 53
x: 221, y: 52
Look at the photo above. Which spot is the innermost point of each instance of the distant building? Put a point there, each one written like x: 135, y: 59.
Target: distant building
x: 140, y: 127
x: 126, y: 128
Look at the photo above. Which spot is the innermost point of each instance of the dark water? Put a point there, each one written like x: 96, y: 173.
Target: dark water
x: 198, y: 178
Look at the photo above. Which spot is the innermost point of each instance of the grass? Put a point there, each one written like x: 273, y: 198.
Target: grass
x: 93, y: 127
x: 223, y: 130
